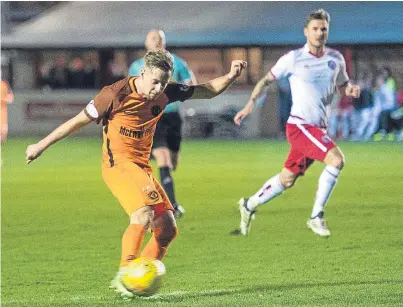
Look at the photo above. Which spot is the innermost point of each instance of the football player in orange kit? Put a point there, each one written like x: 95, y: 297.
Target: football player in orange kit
x: 129, y: 110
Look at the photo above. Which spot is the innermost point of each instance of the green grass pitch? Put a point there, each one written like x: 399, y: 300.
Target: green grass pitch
x: 61, y: 230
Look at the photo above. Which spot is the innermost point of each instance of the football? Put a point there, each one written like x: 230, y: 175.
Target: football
x: 144, y: 276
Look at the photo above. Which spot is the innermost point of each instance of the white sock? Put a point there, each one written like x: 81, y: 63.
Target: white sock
x: 270, y: 189
x: 327, y: 181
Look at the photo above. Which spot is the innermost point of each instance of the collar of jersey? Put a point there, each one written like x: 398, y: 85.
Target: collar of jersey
x: 134, y: 89
x: 306, y: 48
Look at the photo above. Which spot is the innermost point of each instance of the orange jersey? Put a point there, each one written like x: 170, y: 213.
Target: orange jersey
x: 129, y: 121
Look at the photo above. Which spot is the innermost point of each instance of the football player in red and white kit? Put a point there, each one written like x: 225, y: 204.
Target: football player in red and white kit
x: 315, y: 73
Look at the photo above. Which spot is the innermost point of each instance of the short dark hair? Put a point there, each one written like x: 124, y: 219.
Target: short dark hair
x: 320, y: 14
x: 161, y: 59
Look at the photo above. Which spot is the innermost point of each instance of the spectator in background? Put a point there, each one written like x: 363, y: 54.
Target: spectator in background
x: 285, y: 102
x: 387, y: 96
x: 376, y: 108
x: 118, y: 68
x: 396, y: 116
x: 44, y: 75
x: 76, y: 73
x: 90, y: 79
x: 59, y: 74
x: 7, y: 97
x: 363, y: 105
x: 386, y: 72
x: 341, y: 118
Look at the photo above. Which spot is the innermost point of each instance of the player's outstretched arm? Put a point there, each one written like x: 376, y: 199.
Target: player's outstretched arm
x: 257, y: 91
x: 216, y: 86
x: 35, y: 150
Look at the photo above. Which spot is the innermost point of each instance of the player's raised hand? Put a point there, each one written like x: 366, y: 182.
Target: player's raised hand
x: 239, y: 117
x: 353, y: 91
x: 236, y: 68
x: 33, y: 151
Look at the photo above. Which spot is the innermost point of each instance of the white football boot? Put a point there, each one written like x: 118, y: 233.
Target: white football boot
x: 116, y: 284
x: 318, y: 226
x: 246, y: 216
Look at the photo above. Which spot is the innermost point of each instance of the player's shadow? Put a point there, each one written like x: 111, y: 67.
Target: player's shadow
x: 179, y: 297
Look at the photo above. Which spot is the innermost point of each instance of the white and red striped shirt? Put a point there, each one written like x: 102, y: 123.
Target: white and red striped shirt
x: 313, y: 80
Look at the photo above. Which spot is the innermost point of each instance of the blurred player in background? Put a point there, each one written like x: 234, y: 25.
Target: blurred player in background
x: 168, y: 135
x: 7, y: 97
x: 129, y: 110
x: 315, y: 73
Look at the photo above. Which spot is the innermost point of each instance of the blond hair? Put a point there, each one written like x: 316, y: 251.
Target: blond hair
x: 161, y: 59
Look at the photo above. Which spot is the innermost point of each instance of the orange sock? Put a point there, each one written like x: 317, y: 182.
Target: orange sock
x: 157, y: 247
x: 131, y: 243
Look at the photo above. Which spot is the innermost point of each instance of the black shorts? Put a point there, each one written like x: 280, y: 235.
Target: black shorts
x: 169, y: 132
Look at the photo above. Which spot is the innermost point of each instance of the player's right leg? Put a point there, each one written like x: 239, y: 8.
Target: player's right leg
x: 273, y: 187
x: 132, y: 241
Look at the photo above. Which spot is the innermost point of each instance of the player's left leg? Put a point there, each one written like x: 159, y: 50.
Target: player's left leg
x: 163, y: 226
x: 162, y: 155
x: 179, y: 210
x: 164, y: 232
x: 173, y: 139
x: 163, y: 159
x: 334, y: 161
x: 315, y: 144
x: 174, y: 159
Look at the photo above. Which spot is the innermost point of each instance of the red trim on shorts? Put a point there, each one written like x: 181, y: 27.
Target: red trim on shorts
x: 273, y: 74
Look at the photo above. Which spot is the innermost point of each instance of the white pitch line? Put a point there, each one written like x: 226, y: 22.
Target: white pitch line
x: 78, y: 298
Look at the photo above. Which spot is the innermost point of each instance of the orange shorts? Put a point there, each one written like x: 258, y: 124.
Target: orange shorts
x: 135, y: 187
